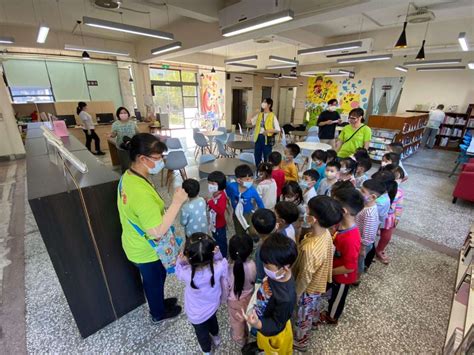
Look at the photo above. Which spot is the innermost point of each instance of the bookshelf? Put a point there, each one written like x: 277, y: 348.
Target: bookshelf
x: 405, y: 128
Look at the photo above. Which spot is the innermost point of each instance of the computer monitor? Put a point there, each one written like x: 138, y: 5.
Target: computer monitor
x: 104, y: 118
x: 70, y: 120
x: 138, y: 115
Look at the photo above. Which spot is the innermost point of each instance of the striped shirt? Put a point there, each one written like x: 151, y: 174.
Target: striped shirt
x: 368, y: 222
x: 313, y: 267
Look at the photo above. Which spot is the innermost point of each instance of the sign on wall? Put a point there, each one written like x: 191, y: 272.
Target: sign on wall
x: 92, y: 83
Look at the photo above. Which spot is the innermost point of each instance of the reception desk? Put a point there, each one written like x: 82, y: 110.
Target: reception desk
x: 79, y: 223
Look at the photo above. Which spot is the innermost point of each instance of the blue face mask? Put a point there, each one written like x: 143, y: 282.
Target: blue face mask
x: 248, y: 184
x: 159, y: 165
x: 304, y: 184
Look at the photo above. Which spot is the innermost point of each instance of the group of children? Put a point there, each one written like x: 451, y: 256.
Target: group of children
x: 315, y: 236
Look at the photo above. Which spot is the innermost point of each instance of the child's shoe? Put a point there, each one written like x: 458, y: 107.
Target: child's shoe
x: 326, y: 319
x: 216, y: 340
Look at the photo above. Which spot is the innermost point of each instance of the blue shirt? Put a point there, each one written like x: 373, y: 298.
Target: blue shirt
x: 194, y: 216
x: 383, y: 206
x: 247, y: 196
x: 321, y: 171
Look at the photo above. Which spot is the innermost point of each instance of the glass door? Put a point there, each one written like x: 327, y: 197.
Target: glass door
x: 168, y: 101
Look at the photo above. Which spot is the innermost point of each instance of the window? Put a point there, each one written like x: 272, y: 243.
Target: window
x: 188, y: 77
x: 25, y: 94
x: 164, y: 75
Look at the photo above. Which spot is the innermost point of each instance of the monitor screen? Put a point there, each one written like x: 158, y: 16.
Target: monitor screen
x: 70, y: 120
x: 104, y: 118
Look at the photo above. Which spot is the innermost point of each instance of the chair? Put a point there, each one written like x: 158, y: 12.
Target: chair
x: 283, y: 138
x: 465, y: 185
x: 173, y: 143
x: 201, y: 144
x: 313, y: 129
x: 175, y: 160
x: 314, y: 139
x: 247, y: 157
x: 203, y: 159
x: 463, y: 156
x: 223, y: 137
x: 222, y: 152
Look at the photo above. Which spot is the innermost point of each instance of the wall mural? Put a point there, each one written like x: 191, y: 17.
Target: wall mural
x: 211, y: 96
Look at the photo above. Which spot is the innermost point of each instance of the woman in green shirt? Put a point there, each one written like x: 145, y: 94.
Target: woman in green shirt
x: 123, y: 126
x: 355, y: 135
x: 140, y: 204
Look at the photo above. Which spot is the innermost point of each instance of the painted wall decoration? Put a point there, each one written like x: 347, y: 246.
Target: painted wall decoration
x: 211, y: 96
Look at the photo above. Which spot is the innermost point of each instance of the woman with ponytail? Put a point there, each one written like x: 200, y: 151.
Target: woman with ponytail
x: 204, y: 271
x: 88, y: 128
x: 242, y: 274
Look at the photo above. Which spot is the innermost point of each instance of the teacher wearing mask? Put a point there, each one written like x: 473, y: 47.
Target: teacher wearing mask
x: 266, y: 128
x: 327, y: 121
x: 88, y: 128
x: 141, y: 206
x: 355, y: 135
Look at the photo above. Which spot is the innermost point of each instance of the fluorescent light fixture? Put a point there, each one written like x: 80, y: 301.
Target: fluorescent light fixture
x: 241, y: 59
x: 370, y: 58
x: 336, y: 74
x: 121, y: 27
x: 470, y: 65
x: 459, y: 67
x: 345, y: 71
x: 73, y: 47
x: 463, y: 42
x: 288, y: 77
x: 280, y: 66
x: 42, y: 34
x: 258, y: 22
x: 7, y: 40
x: 331, y: 48
x: 271, y: 77
x: 243, y: 65
x: 283, y: 60
x: 167, y: 48
x: 399, y: 67
x: 433, y: 62
x: 313, y: 73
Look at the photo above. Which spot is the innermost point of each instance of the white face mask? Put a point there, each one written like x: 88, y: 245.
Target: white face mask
x: 332, y: 108
x: 330, y: 175
x: 123, y: 116
x: 384, y: 163
x: 264, y: 105
x: 274, y: 274
x: 213, y: 188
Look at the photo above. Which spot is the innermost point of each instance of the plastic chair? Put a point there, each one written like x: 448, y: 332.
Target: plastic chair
x: 201, y: 144
x: 175, y: 161
x: 203, y: 159
x: 222, y: 152
x: 314, y: 139
x: 247, y: 157
x: 313, y: 129
x: 173, y: 143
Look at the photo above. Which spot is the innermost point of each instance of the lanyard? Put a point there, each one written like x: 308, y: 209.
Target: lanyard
x: 144, y: 178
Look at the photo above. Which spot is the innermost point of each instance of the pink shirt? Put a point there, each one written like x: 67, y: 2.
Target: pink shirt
x: 250, y: 274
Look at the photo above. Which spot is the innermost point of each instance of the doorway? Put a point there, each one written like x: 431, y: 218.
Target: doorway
x: 266, y: 92
x: 168, y: 102
x: 385, y: 95
x: 286, y: 105
x: 239, y: 106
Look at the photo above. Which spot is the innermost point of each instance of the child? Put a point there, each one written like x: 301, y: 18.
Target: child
x: 276, y: 297
x: 277, y: 174
x: 331, y: 155
x: 348, y: 169
x: 241, y: 276
x: 267, y: 188
x: 193, y: 213
x: 288, y: 166
x: 243, y: 196
x: 310, y: 178
x: 217, y: 203
x: 332, y: 174
x: 264, y: 222
x: 346, y: 256
x: 313, y: 267
x: 397, y: 148
x: 319, y: 158
x: 292, y: 193
x: 204, y: 271
x: 361, y: 153
x: 390, y: 158
x: 363, y: 165
x: 368, y: 219
x: 287, y: 213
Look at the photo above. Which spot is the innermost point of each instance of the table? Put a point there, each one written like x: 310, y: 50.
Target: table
x: 225, y: 165
x: 241, y: 145
x: 314, y: 146
x: 211, y: 135
x: 299, y: 134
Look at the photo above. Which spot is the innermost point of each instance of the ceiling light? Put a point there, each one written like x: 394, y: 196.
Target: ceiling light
x: 7, y: 40
x: 336, y: 74
x: 258, y: 22
x: 421, y: 53
x: 463, y: 42
x: 243, y: 65
x: 313, y: 73
x: 288, y: 77
x: 85, y: 56
x: 279, y: 66
x: 460, y: 67
x: 346, y: 71
x: 433, y: 62
x: 213, y: 70
x: 402, y: 40
x: 283, y: 60
x: 331, y: 48
x: 271, y: 77
x: 130, y: 80
x: 167, y: 48
x: 399, y: 67
x: 470, y: 65
x: 371, y: 58
x: 73, y: 47
x: 121, y: 27
x: 42, y: 34
x: 241, y: 59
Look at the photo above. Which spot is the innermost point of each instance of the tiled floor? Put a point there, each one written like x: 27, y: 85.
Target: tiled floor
x: 398, y: 308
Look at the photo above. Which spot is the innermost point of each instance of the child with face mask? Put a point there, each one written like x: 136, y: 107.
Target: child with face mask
x: 276, y: 297
x: 217, y: 204
x: 348, y: 169
x: 319, y: 158
x: 292, y: 192
x: 243, y: 198
x: 288, y: 166
x: 332, y: 174
x: 193, y: 213
x: 390, y: 158
x: 310, y: 178
x: 267, y: 188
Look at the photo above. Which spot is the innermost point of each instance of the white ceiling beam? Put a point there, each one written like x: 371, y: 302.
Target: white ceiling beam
x: 202, y: 10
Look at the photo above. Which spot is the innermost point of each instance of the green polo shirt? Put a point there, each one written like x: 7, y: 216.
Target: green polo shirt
x: 139, y: 202
x: 347, y: 149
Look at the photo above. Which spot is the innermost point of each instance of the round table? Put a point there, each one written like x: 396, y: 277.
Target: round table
x: 225, y: 165
x: 314, y: 146
x: 241, y: 145
x: 211, y: 135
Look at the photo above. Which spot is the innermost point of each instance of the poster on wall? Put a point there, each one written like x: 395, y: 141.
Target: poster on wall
x: 211, y: 96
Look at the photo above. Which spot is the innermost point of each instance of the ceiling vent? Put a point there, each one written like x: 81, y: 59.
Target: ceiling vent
x: 421, y: 15
x: 108, y: 4
x: 263, y: 40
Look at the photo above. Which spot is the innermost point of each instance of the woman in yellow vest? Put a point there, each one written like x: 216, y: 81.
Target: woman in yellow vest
x: 266, y: 128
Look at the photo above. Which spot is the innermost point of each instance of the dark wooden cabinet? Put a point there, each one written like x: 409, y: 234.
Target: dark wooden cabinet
x: 81, y: 229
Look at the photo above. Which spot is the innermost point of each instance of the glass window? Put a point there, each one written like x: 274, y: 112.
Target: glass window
x: 164, y: 75
x: 188, y: 76
x: 189, y: 90
x: 190, y: 101
x: 190, y: 112
x: 25, y: 94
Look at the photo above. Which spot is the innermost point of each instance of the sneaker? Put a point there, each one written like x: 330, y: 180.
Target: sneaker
x: 169, y: 314
x: 216, y: 340
x: 326, y: 319
x: 170, y: 302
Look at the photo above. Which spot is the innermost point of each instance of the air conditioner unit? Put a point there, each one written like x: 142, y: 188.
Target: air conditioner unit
x: 367, y: 44
x: 248, y: 9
